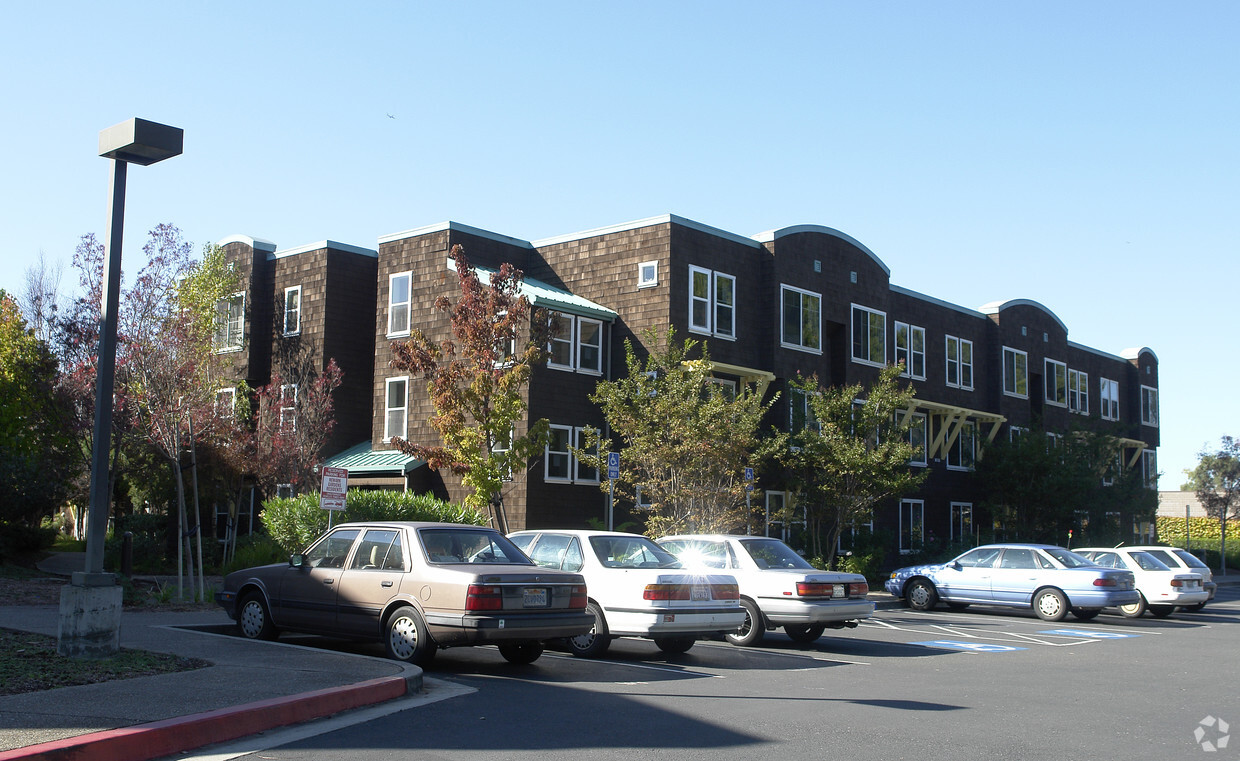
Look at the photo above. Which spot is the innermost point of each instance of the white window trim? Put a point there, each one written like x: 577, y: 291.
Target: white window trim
x: 229, y: 345
x: 921, y: 460
x: 570, y: 340
x: 1053, y: 364
x: 388, y: 433
x: 910, y: 331
x: 579, y: 442
x: 1150, y: 420
x: 296, y: 330
x: 1078, y: 400
x: 648, y: 282
x: 920, y: 507
x: 783, y: 339
x: 578, y: 346
x: 962, y: 507
x: 567, y: 452
x: 1108, y: 393
x: 393, y: 304
x: 852, y: 316
x: 711, y: 328
x: 574, y: 344
x: 1013, y: 392
x: 959, y: 363
x: 958, y: 443
x: 286, y: 408
x: 231, y: 393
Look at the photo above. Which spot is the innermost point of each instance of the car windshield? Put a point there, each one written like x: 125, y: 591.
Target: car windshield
x: 631, y: 552
x: 772, y: 553
x: 1068, y: 558
x: 1190, y: 560
x: 1148, y: 562
x: 463, y: 545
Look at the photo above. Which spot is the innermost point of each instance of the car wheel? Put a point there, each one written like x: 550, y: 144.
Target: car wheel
x: 596, y: 641
x: 406, y: 637
x: 674, y: 645
x: 1085, y: 614
x: 803, y: 634
x: 1161, y: 611
x: 254, y: 619
x: 521, y: 652
x: 1195, y: 608
x: 1050, y: 605
x: 957, y: 605
x: 1135, y: 609
x: 753, y: 628
x: 921, y: 595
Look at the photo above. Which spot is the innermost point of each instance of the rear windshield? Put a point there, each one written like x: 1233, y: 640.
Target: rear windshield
x: 1190, y: 560
x: 772, y: 553
x: 450, y: 545
x: 631, y: 552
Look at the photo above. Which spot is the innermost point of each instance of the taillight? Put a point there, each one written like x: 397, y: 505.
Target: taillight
x: 666, y: 592
x: 1105, y: 581
x: 577, y: 598
x: 484, y: 597
x: 858, y: 589
x: 1177, y: 583
x: 813, y: 589
x: 725, y: 591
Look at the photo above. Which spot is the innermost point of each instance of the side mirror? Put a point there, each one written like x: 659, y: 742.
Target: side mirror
x: 956, y: 565
x: 297, y: 560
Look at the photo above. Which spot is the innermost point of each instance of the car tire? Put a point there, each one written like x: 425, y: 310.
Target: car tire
x: 406, y: 638
x: 521, y: 653
x: 804, y: 634
x: 594, y: 643
x: 1136, y: 609
x: 921, y: 594
x: 674, y: 645
x: 1085, y: 614
x: 1050, y: 605
x: 752, y: 629
x: 1161, y: 611
x: 254, y: 618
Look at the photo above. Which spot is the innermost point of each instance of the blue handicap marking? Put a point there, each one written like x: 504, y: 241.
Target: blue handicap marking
x: 1088, y: 634
x: 977, y: 647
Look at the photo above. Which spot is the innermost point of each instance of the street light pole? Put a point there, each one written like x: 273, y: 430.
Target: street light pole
x: 90, y: 606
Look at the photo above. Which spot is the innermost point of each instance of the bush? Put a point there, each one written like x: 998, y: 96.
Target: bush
x: 295, y: 522
x: 17, y: 539
x: 150, y: 542
x: 255, y: 550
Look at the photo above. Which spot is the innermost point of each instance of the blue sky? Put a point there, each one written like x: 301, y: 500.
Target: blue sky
x: 1084, y: 155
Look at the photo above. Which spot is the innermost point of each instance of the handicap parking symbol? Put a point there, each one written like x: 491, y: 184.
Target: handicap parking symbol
x: 1088, y: 634
x: 977, y: 647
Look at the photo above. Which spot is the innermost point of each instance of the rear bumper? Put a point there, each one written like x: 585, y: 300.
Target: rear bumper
x: 780, y: 612
x: 473, y: 629
x: 652, y: 622
x: 1103, y: 598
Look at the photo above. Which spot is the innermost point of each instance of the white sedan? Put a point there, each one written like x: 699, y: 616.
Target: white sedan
x: 1178, y: 559
x: 1162, y: 588
x: 778, y: 586
x: 637, y: 589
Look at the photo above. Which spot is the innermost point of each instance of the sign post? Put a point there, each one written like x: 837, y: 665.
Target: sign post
x: 333, y: 491
x: 748, y: 490
x: 613, y: 472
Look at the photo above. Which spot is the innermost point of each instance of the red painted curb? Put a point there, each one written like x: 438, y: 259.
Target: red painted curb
x: 163, y: 738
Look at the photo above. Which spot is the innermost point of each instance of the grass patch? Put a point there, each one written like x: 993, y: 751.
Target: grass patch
x: 65, y: 543
x: 29, y: 663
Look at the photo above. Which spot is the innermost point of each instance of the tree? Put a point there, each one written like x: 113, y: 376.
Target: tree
x: 851, y: 452
x: 1216, y: 479
x: 292, y: 424
x: 686, y: 440
x: 476, y: 382
x: 40, y: 300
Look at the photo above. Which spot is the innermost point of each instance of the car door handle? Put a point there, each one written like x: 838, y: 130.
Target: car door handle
x: 329, y: 581
x: 385, y: 584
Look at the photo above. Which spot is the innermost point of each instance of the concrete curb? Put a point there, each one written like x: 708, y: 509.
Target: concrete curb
x: 163, y: 738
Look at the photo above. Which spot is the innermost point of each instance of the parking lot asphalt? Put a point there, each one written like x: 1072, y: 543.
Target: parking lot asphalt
x: 250, y: 687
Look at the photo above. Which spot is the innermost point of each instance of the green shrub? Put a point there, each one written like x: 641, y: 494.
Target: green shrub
x: 295, y: 522
x: 255, y: 550
x: 17, y: 539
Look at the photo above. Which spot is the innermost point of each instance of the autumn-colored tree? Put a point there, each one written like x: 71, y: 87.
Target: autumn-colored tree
x: 292, y: 424
x: 476, y: 382
x: 1216, y: 480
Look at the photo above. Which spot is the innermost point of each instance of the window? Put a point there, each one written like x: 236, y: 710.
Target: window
x: 1015, y: 432
x: 1149, y: 468
x: 583, y: 473
x: 576, y: 344
x: 726, y: 387
x: 397, y: 409
x: 399, y: 302
x: 800, y: 412
x: 288, y: 408
x: 960, y: 455
x: 230, y: 323
x: 1056, y: 383
x: 1108, y: 391
x: 959, y: 362
x: 1078, y: 392
x: 562, y: 335
x: 911, y: 524
x: 962, y: 521
x: 1015, y: 373
x: 917, y: 431
x: 911, y: 350
x: 589, y: 346
x: 379, y: 550
x: 801, y: 325
x: 501, y: 447
x: 225, y: 402
x: 869, y: 336
x: 712, y: 302
x: 779, y: 518
x: 285, y: 491
x: 647, y: 274
x: 1149, y: 406
x: 292, y: 310
x: 559, y: 462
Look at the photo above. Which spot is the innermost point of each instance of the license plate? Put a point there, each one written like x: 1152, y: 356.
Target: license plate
x: 837, y: 590
x: 700, y: 592
x: 534, y: 597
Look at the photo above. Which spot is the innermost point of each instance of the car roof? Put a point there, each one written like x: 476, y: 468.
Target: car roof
x: 408, y: 524
x: 582, y: 532
x: 711, y: 537
x: 1019, y: 545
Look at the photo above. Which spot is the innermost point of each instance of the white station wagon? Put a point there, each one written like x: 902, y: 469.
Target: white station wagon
x: 778, y: 586
x: 637, y: 589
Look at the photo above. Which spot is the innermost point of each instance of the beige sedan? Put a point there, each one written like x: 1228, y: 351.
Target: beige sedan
x: 416, y: 587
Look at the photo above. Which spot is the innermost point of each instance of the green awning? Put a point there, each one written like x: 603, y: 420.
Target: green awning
x: 362, y: 458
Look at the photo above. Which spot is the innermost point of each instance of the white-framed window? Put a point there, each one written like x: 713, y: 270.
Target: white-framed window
x: 779, y: 521
x: 647, y: 274
x: 912, y: 524
x: 501, y: 447
x: 1056, y: 383
x: 642, y: 499
x: 911, y: 350
x: 869, y: 336
x: 1149, y: 468
x: 559, y: 463
x: 712, y: 302
x: 959, y: 362
x: 918, y: 431
x: 288, y: 407
x: 400, y: 295
x: 396, y: 408
x: 726, y: 386
x: 962, y: 521
x: 1108, y: 391
x: 576, y: 344
x: 800, y: 412
x: 961, y: 455
x: 292, y: 310
x: 801, y: 321
x: 1078, y: 392
x: 1149, y: 406
x: 1015, y: 373
x: 230, y: 323
x: 1015, y: 432
x: 285, y: 491
x: 583, y: 473
x: 225, y: 402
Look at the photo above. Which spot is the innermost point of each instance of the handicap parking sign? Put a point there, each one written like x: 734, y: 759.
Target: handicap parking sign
x: 977, y: 647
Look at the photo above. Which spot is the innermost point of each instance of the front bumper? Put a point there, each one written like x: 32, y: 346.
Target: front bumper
x: 227, y: 601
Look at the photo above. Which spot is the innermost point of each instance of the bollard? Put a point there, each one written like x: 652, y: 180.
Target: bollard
x: 127, y: 555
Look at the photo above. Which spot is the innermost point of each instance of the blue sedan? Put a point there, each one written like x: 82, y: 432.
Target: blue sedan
x: 1050, y: 579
